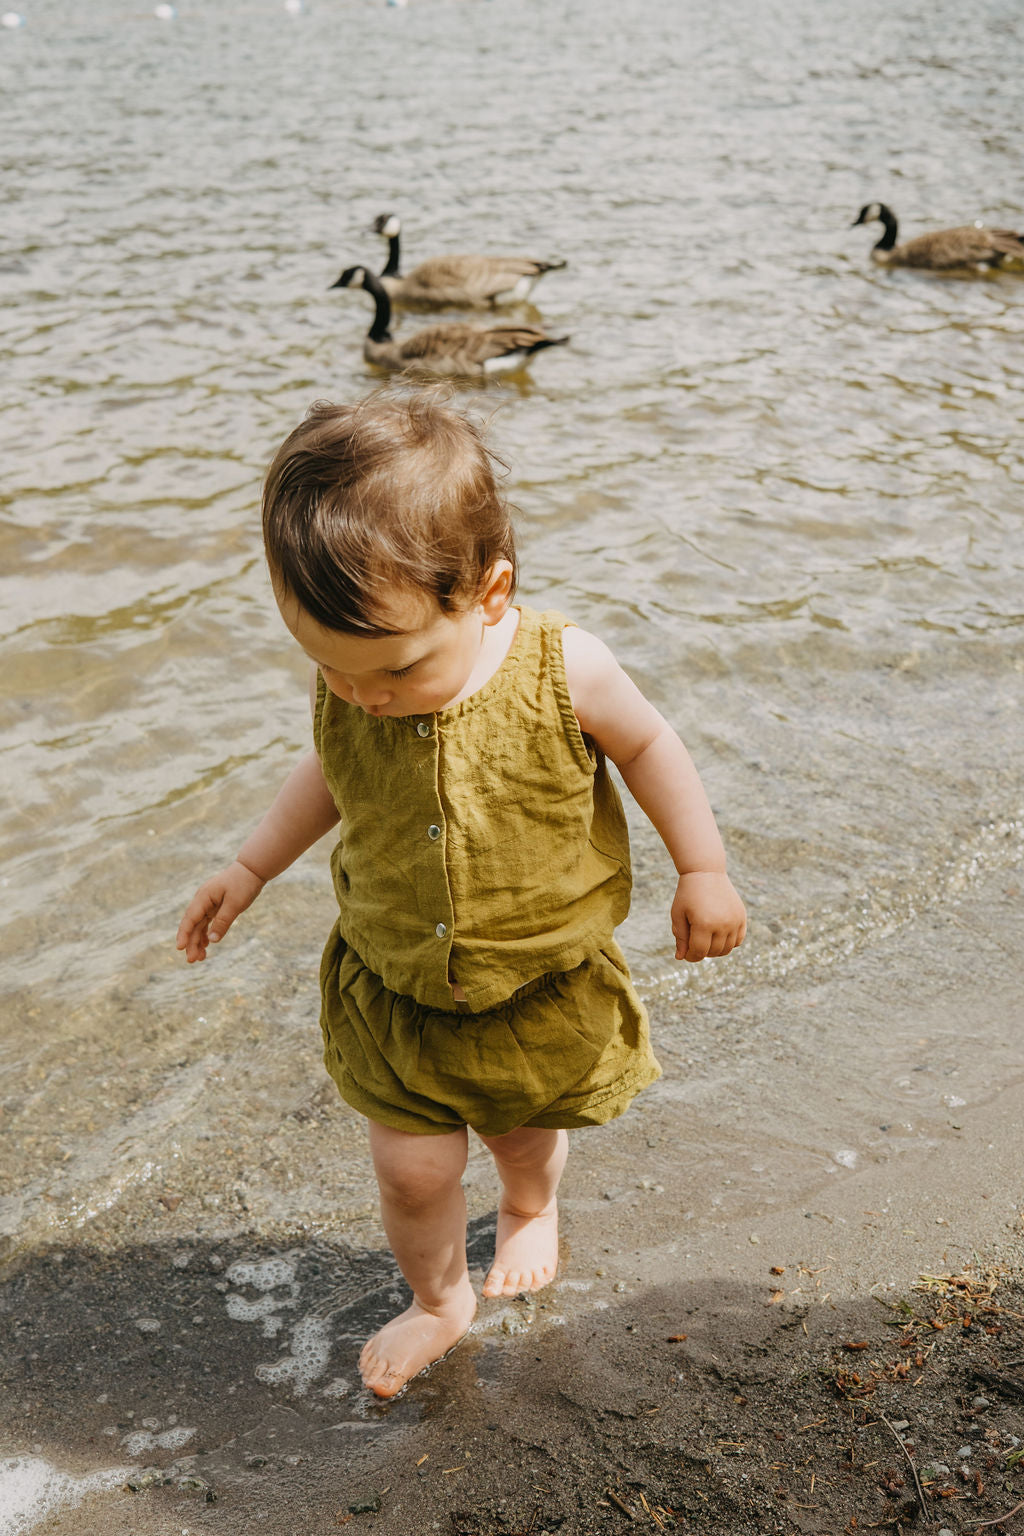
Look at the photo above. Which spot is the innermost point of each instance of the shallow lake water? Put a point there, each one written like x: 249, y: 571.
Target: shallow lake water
x: 785, y: 485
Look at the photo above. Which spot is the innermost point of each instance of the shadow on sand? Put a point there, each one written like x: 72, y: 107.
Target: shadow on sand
x: 217, y: 1389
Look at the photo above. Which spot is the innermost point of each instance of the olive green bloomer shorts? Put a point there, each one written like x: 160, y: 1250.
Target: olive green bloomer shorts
x: 568, y: 1050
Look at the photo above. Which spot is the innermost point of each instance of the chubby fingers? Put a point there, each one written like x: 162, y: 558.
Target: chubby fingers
x: 214, y: 908
x: 206, y: 921
x: 193, y: 937
x: 708, y: 917
x: 695, y: 942
x: 681, y: 929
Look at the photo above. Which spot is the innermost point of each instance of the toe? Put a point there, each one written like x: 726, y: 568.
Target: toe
x: 380, y: 1378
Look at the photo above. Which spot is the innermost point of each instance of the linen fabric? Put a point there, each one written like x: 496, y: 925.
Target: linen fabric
x: 565, y: 1052
x: 485, y: 844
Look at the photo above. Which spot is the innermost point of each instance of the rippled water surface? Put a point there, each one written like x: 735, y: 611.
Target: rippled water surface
x: 785, y: 485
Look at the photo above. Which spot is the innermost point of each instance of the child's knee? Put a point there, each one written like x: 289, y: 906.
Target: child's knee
x: 414, y: 1188
x: 419, y: 1171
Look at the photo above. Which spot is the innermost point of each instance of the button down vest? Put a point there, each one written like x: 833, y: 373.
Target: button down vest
x: 484, y: 844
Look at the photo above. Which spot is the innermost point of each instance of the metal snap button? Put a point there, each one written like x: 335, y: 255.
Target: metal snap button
x: 441, y: 930
x: 434, y: 833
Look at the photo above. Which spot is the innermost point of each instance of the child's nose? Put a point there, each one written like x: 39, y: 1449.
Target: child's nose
x: 370, y: 695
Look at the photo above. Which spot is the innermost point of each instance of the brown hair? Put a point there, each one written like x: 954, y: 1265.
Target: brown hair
x: 390, y: 491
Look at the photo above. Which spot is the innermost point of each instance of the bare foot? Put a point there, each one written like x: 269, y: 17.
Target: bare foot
x: 412, y: 1341
x: 526, y: 1252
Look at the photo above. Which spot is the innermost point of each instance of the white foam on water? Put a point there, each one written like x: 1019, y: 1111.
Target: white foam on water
x: 310, y: 1342
x: 31, y: 1490
x: 139, y: 1442
x: 310, y: 1352
x: 263, y: 1274
x: 265, y: 1308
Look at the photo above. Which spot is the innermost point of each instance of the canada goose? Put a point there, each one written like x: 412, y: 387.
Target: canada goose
x: 458, y: 279
x: 455, y: 349
x: 969, y: 245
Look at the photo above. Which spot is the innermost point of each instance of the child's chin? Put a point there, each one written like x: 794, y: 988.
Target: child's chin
x: 404, y: 711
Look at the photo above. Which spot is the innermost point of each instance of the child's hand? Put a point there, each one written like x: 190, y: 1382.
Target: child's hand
x: 214, y: 908
x: 708, y: 917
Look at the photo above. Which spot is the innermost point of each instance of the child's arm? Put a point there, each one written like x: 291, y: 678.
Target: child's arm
x: 708, y: 917
x: 300, y: 814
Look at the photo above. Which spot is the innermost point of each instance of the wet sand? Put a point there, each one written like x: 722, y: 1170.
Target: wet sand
x: 205, y: 1353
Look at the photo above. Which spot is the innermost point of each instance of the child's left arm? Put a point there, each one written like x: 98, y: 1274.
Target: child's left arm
x: 708, y: 917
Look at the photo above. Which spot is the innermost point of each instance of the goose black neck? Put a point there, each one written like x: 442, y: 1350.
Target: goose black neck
x: 380, y: 329
x: 888, y: 240
x: 392, y: 268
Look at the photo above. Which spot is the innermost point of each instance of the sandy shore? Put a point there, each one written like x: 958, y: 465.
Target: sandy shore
x: 206, y: 1355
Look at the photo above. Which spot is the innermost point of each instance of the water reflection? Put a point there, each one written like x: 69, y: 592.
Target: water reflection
x: 783, y: 484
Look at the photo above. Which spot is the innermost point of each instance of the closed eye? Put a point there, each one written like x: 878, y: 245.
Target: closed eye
x: 402, y: 671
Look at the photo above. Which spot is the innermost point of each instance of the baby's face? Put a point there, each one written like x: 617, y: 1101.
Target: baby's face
x: 430, y: 663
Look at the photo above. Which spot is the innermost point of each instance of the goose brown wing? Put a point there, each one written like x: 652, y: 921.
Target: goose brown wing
x: 476, y: 278
x: 1008, y: 242
x: 436, y: 341
x: 964, y: 246
x: 500, y: 340
x: 441, y: 272
x: 466, y: 349
x: 494, y: 275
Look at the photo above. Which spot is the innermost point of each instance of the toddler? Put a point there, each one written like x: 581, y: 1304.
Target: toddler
x: 482, y: 862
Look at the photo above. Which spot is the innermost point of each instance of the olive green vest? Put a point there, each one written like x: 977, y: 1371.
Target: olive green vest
x: 485, y: 843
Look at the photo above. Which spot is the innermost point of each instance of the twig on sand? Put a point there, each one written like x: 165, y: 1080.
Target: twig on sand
x: 611, y: 1494
x: 910, y: 1463
x: 659, y: 1522
x: 998, y: 1521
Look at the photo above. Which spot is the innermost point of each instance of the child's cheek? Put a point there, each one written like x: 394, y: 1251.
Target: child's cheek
x: 422, y: 688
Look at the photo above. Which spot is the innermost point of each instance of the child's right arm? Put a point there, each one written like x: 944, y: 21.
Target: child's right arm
x: 301, y: 813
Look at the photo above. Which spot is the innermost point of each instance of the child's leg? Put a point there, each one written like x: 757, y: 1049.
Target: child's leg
x: 424, y: 1214
x: 530, y: 1164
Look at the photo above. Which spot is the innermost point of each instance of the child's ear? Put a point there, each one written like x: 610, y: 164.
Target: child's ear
x: 496, y: 592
